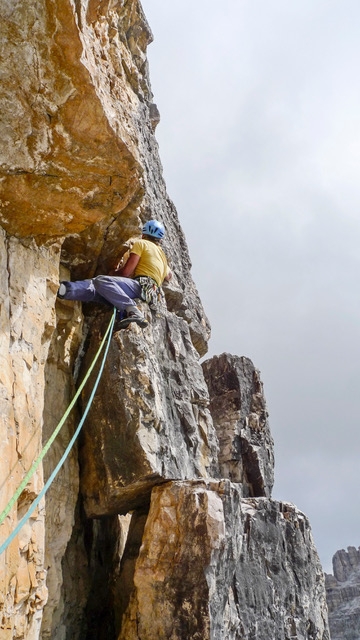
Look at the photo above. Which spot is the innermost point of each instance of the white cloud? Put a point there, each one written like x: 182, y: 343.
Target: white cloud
x: 260, y: 142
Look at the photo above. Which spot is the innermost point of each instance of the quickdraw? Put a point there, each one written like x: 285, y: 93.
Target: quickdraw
x: 150, y: 291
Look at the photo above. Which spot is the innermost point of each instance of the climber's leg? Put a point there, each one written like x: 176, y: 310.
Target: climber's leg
x: 121, y: 293
x: 82, y: 290
x: 118, y: 291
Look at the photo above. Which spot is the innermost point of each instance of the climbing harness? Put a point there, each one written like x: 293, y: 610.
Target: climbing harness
x: 150, y: 291
x: 35, y: 465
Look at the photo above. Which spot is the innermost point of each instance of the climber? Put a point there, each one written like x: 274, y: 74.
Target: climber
x: 140, y: 277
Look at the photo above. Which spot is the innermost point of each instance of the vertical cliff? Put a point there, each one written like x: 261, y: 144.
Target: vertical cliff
x: 160, y: 524
x: 343, y: 595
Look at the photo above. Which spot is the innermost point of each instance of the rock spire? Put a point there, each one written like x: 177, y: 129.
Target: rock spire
x: 343, y: 595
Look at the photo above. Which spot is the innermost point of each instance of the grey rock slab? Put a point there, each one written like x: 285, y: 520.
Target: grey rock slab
x: 216, y: 566
x: 343, y: 595
x: 238, y: 409
x: 149, y: 421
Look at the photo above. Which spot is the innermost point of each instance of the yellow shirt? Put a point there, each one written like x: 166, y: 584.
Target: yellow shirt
x: 152, y: 261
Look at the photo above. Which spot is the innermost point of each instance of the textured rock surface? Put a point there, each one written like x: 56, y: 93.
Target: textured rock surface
x: 29, y: 283
x: 213, y: 565
x: 343, y: 595
x: 239, y: 412
x: 59, y: 512
x: 79, y: 162
x: 79, y: 158
x: 62, y: 139
x: 155, y: 425
x: 79, y: 173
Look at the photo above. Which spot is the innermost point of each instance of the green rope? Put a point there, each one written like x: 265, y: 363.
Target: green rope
x: 35, y: 503
x: 45, y: 449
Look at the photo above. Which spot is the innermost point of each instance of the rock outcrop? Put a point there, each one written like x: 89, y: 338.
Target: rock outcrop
x: 241, y: 420
x: 343, y: 595
x: 212, y: 565
x: 155, y: 425
x: 160, y: 524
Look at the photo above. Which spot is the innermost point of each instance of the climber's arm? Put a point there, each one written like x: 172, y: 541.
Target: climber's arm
x: 128, y: 269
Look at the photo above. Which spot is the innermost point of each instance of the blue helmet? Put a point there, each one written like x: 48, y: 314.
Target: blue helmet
x: 154, y: 228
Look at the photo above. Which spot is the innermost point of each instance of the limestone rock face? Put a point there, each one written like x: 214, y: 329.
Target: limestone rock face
x: 80, y: 171
x: 79, y: 158
x: 343, y: 595
x: 59, y: 386
x: 67, y: 158
x: 238, y: 409
x: 155, y: 424
x: 160, y: 524
x: 215, y: 566
x: 27, y: 320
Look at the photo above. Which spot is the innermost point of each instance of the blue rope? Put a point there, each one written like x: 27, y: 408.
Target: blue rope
x: 67, y: 450
x: 59, y: 426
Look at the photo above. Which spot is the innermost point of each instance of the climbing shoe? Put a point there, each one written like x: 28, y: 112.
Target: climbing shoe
x: 62, y: 290
x: 133, y: 316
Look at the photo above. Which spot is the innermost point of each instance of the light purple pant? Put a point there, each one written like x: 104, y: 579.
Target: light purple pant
x: 118, y: 292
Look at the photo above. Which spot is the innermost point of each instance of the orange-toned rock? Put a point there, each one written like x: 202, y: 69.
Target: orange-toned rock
x: 79, y: 174
x: 213, y: 566
x: 29, y: 280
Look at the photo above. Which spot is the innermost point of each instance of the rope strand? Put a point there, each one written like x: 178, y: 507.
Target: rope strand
x: 70, y: 445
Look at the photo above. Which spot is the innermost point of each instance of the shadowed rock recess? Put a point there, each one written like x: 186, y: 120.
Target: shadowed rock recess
x: 160, y: 525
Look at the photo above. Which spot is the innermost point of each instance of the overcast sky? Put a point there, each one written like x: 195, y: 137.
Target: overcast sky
x: 260, y: 142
